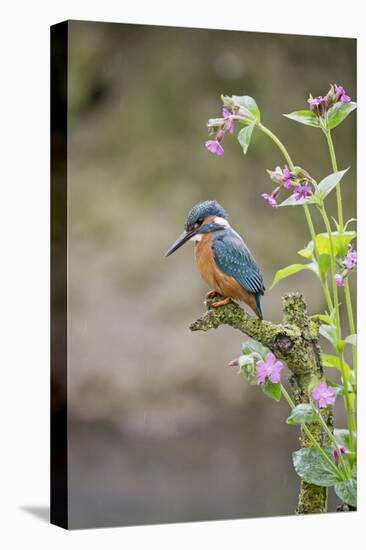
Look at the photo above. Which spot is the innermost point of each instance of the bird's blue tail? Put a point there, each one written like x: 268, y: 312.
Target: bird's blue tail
x: 258, y: 299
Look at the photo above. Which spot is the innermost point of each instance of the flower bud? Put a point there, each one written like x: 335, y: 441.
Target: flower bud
x: 234, y: 363
x: 276, y: 175
x: 336, y: 455
x: 317, y: 104
x: 276, y: 192
x: 215, y: 122
x: 339, y: 279
x: 220, y: 135
x: 301, y: 174
x: 330, y: 98
x: 228, y: 102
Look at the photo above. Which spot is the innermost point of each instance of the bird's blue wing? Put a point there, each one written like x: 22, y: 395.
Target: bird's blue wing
x: 234, y: 258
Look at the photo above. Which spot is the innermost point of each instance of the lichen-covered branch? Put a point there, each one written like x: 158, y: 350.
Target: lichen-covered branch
x: 295, y: 341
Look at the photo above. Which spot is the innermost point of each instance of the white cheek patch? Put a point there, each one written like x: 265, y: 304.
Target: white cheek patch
x: 197, y: 237
x: 221, y: 221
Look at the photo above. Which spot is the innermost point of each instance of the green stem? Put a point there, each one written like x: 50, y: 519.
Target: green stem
x: 346, y: 286
x: 340, y: 218
x: 349, y: 409
x: 333, y: 269
x: 338, y: 186
x: 352, y: 327
x: 286, y: 154
x: 311, y: 437
x: 313, y: 236
x: 332, y: 439
x: 279, y: 144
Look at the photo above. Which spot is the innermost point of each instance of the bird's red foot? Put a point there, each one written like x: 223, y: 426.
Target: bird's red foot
x: 223, y: 302
x: 211, y: 294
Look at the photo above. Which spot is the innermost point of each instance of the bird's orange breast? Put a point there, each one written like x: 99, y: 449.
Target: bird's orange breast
x: 224, y: 284
x: 205, y: 261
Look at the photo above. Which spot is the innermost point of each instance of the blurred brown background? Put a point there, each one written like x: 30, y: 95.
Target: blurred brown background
x: 161, y: 430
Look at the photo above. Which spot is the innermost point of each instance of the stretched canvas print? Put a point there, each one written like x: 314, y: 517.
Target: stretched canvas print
x: 203, y: 248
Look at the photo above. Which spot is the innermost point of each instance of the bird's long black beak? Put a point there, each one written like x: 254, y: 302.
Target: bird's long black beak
x: 183, y: 238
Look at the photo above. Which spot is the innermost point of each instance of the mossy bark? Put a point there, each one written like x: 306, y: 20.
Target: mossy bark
x: 295, y: 341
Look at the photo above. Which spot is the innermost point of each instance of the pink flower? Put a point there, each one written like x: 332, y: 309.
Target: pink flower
x: 339, y: 280
x: 302, y: 191
x: 270, y: 199
x: 318, y: 104
x: 215, y: 147
x: 323, y: 395
x: 335, y: 454
x: 281, y: 176
x: 234, y: 363
x: 229, y: 122
x: 351, y: 258
x: 270, y: 368
x: 316, y: 101
x: 286, y: 177
x: 341, y: 94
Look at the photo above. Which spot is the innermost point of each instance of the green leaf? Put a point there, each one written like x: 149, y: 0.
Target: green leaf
x: 342, y: 437
x: 305, y: 117
x: 330, y: 333
x: 252, y: 351
x: 311, y: 467
x: 351, y: 339
x: 308, y: 251
x: 291, y: 270
x: 252, y: 346
x: 272, y: 390
x: 249, y: 104
x: 347, y: 491
x: 340, y: 242
x: 323, y: 317
x: 291, y: 201
x: 329, y: 183
x: 339, y: 112
x: 302, y: 414
x: 323, y: 264
x: 244, y: 137
x: 332, y: 361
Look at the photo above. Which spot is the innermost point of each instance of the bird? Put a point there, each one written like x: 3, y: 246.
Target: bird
x: 222, y: 257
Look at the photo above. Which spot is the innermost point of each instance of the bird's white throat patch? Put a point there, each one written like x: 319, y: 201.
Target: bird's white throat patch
x: 221, y: 221
x: 196, y: 238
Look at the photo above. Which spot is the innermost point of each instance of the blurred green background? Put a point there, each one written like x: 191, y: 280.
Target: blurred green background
x: 161, y: 430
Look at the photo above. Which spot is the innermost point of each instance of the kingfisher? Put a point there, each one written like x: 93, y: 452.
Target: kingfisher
x: 222, y: 257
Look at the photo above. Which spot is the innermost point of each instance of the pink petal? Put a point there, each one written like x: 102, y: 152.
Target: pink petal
x: 275, y: 377
x: 214, y: 147
x: 270, y: 359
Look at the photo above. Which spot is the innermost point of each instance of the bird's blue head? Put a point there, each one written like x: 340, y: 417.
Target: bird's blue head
x: 204, y: 217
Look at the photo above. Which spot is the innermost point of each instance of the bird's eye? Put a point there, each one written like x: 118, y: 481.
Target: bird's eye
x: 197, y: 224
